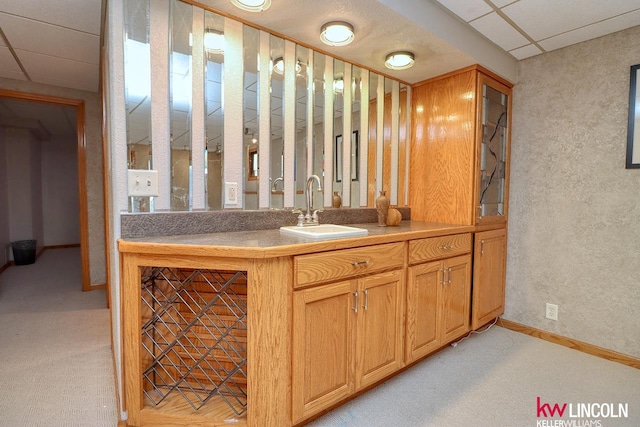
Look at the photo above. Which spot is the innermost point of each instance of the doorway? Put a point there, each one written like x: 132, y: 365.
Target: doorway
x: 79, y: 107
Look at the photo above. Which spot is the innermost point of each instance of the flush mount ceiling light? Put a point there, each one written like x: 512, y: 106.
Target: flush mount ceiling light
x: 337, y: 33
x: 252, y: 5
x: 400, y: 60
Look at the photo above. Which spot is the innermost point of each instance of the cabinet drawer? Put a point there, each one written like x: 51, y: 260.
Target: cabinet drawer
x: 327, y: 266
x: 439, y: 247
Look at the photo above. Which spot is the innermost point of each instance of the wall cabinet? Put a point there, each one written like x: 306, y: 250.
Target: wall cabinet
x: 438, y: 294
x: 460, y: 151
x: 489, y: 272
x: 346, y: 336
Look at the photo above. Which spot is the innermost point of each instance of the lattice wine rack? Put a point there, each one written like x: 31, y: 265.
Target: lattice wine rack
x: 194, y: 336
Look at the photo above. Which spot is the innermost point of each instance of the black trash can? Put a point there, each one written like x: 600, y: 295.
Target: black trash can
x: 24, y: 252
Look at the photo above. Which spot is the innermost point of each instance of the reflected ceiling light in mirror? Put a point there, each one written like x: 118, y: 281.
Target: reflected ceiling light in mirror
x: 400, y: 60
x: 278, y: 66
x: 214, y: 41
x: 338, y: 85
x: 337, y: 33
x: 252, y: 5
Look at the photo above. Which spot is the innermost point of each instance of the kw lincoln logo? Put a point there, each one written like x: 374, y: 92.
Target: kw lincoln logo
x: 578, y: 414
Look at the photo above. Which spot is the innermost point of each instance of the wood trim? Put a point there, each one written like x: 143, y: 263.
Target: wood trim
x: 7, y: 265
x: 584, y: 347
x: 82, y: 198
x: 74, y: 245
x: 81, y: 152
x: 476, y: 67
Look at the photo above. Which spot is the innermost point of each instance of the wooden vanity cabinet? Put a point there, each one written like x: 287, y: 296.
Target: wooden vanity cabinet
x: 489, y: 272
x: 347, y: 334
x: 438, y: 293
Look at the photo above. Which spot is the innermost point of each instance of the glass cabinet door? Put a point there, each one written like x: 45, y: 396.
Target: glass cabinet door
x: 493, y: 168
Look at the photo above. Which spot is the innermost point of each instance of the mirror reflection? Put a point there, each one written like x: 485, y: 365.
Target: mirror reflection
x: 251, y: 41
x: 368, y: 145
x: 277, y: 125
x: 180, y: 92
x: 137, y: 72
x: 214, y: 129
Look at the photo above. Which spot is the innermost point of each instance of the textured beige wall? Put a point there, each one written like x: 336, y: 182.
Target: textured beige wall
x: 574, y: 220
x: 95, y: 193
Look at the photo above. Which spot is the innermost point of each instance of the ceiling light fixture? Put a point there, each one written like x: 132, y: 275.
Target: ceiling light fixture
x: 337, y: 33
x: 252, y: 5
x: 400, y: 60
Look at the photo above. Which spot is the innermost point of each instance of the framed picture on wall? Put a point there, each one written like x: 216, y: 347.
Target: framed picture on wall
x: 633, y: 129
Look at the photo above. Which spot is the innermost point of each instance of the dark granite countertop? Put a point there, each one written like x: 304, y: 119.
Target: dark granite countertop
x: 273, y: 243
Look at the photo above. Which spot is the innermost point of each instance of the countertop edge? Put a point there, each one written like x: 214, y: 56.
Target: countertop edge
x: 297, y: 246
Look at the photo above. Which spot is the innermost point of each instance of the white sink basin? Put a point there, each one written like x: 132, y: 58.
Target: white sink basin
x: 324, y: 231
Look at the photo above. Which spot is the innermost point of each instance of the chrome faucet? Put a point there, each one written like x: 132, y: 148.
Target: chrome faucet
x: 275, y: 183
x: 311, y: 217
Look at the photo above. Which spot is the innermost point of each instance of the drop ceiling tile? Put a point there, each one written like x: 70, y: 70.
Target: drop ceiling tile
x: 502, y: 3
x: 468, y: 9
x: 589, y: 32
x: 7, y: 63
x: 59, y: 71
x: 39, y: 37
x: 542, y: 19
x: 12, y: 75
x: 499, y: 31
x: 525, y: 51
x: 82, y: 15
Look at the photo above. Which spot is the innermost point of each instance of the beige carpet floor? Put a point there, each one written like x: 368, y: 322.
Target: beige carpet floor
x: 493, y: 380
x: 56, y: 366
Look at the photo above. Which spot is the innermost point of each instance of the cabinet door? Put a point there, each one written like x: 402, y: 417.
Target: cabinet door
x: 492, y: 176
x: 489, y: 270
x: 425, y: 283
x: 456, y: 298
x: 380, y: 332
x: 323, y: 339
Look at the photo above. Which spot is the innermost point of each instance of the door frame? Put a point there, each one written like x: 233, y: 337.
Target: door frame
x: 82, y: 170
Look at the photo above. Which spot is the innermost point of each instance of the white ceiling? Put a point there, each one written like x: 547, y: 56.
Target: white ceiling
x: 58, y: 42
x: 526, y: 28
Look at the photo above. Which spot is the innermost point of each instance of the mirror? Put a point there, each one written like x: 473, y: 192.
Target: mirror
x: 251, y: 42
x: 277, y: 124
x: 318, y: 88
x: 137, y: 80
x: 360, y: 147
x: 214, y: 129
x: 372, y: 148
x: 180, y: 92
x: 302, y: 101
x: 338, y: 126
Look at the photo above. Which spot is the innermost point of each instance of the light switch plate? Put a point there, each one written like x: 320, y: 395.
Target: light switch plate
x: 142, y: 183
x: 230, y: 193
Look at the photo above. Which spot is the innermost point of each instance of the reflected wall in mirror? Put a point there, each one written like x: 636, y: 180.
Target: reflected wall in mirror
x: 386, y: 153
x: 180, y: 103
x: 214, y: 123
x: 403, y: 145
x: 276, y: 173
x: 317, y: 89
x: 137, y: 78
x: 251, y: 42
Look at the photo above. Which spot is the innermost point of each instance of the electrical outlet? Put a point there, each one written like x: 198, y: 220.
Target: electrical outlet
x: 231, y: 193
x: 552, y: 311
x: 142, y: 183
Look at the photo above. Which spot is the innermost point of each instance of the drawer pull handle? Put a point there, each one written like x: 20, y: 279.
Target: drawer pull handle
x: 446, y: 247
x: 359, y: 263
x: 366, y: 299
x: 449, y: 275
